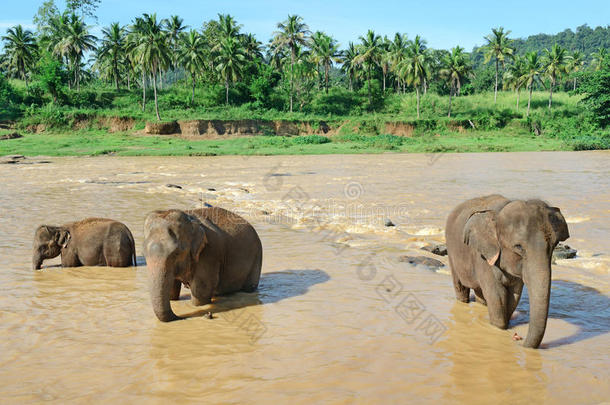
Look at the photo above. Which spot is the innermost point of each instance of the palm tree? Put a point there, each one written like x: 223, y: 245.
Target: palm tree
x: 75, y: 41
x: 21, y: 50
x: 414, y: 68
x: 325, y: 51
x: 252, y: 46
x: 575, y: 63
x: 455, y: 69
x: 192, y: 55
x: 398, y: 51
x: 599, y: 58
x: 385, y: 59
x: 515, y: 77
x: 349, y: 63
x: 152, y: 49
x: 370, y: 53
x: 112, y: 49
x: 291, y: 33
x: 499, y: 47
x: 230, y: 61
x: 174, y: 27
x: 228, y: 26
x: 554, y: 66
x: 533, y: 70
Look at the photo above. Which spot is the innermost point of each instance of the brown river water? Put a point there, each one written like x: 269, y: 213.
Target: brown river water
x: 337, y: 317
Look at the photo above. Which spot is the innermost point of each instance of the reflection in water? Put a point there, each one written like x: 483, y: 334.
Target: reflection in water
x: 316, y: 330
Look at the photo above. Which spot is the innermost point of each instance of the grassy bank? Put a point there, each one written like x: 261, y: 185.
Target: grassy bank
x: 81, y: 143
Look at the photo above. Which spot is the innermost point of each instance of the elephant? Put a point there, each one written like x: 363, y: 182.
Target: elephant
x: 495, y: 245
x: 90, y: 242
x: 212, y: 251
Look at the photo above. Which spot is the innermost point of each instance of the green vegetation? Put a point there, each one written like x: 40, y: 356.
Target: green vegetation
x: 63, y: 79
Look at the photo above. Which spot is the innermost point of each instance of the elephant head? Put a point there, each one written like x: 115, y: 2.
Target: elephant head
x: 173, y: 241
x: 48, y: 242
x: 519, y: 238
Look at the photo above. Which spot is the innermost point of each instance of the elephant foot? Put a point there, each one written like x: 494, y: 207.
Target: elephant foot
x: 197, y: 302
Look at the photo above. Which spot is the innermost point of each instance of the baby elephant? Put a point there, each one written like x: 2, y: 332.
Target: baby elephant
x: 495, y: 245
x: 211, y: 250
x: 90, y: 242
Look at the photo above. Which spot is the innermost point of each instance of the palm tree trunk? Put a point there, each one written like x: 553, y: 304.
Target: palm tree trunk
x: 417, y: 91
x: 574, y: 84
x: 227, y: 93
x: 351, y: 88
x: 551, y: 93
x: 326, y: 76
x: 155, y: 90
x: 450, y: 94
x: 518, y: 94
x: 291, y: 76
x: 369, y: 80
x: 496, y: 88
x: 193, y: 93
x: 143, y: 90
x: 529, y: 101
x: 128, y: 80
x: 384, y: 74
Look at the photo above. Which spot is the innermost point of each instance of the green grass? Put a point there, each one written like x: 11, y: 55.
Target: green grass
x: 82, y: 143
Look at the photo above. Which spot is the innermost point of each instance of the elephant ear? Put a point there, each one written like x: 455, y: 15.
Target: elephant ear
x: 480, y: 234
x: 63, y: 237
x: 199, y: 238
x: 559, y: 225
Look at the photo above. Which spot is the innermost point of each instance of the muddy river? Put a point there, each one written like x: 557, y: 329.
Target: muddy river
x: 337, y: 318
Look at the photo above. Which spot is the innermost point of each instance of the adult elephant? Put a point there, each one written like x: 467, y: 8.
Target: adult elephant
x: 494, y: 245
x: 210, y: 250
x: 90, y: 242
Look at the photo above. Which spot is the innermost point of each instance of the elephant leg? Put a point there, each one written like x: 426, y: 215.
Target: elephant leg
x: 175, y: 292
x: 462, y: 293
x: 514, y: 295
x: 496, y: 296
x: 479, y: 294
x: 251, y: 283
x: 201, y: 294
x: 70, y: 259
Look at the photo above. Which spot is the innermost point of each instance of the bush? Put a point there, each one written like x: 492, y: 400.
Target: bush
x: 337, y: 101
x: 310, y: 140
x: 596, y: 87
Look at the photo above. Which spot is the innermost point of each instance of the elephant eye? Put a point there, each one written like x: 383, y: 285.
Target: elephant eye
x: 519, y: 250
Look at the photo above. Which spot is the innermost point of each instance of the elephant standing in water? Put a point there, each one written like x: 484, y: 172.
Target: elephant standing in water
x: 90, y: 242
x: 211, y: 250
x: 494, y: 245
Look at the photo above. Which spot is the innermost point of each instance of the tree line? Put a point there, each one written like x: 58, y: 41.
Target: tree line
x: 151, y: 52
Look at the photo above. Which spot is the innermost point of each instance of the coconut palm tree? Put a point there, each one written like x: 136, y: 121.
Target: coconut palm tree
x: 456, y: 67
x: 152, y: 48
x: 398, y: 51
x: 252, y: 46
x: 325, y: 51
x: 599, y: 58
x: 515, y: 76
x: 575, y: 63
x: 349, y: 64
x: 230, y: 62
x: 112, y: 50
x: 75, y: 41
x: 291, y: 34
x: 533, y: 70
x: 414, y: 68
x: 21, y: 51
x: 369, y: 55
x: 499, y: 47
x: 174, y: 26
x: 554, y: 66
x: 192, y: 55
x: 385, y: 59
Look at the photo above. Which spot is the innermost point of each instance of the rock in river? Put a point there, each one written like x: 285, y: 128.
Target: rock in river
x: 438, y: 249
x: 432, y: 264
x: 564, y: 252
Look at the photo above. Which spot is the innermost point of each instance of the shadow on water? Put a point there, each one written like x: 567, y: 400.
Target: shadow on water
x: 582, y: 306
x: 273, y: 287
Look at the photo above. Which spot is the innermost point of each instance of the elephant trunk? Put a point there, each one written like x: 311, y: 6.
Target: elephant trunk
x: 538, y: 282
x: 161, y: 282
x: 37, y: 260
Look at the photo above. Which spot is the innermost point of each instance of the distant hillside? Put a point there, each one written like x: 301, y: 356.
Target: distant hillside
x: 586, y: 40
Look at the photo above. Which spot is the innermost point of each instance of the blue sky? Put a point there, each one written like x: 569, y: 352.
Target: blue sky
x: 443, y: 23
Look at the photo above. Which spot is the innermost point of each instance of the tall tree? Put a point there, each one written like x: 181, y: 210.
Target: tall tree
x: 191, y: 56
x: 599, y: 58
x: 350, y: 64
x: 456, y: 67
x: 498, y: 47
x: 414, y: 67
x: 533, y: 70
x: 86, y: 8
x: 398, y: 51
x: 230, y: 62
x: 75, y: 41
x: 515, y: 76
x: 152, y: 47
x: 112, y: 49
x: 575, y: 63
x: 291, y: 34
x: 21, y: 51
x: 554, y: 66
x: 326, y: 51
x: 370, y: 54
